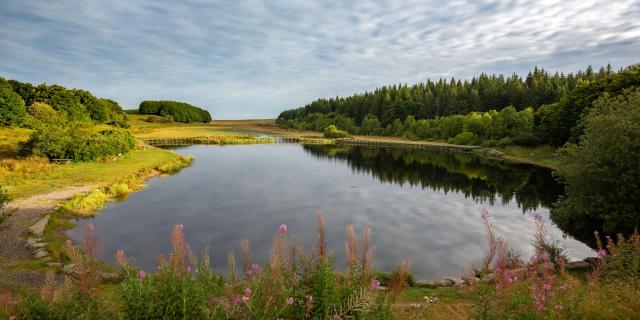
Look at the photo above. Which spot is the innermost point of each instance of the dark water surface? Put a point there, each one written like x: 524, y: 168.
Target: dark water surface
x: 420, y: 204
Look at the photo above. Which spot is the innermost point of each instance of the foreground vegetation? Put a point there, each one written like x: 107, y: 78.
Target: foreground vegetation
x: 304, y: 284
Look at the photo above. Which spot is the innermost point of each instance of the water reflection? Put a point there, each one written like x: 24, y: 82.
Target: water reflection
x: 483, y: 180
x: 420, y: 204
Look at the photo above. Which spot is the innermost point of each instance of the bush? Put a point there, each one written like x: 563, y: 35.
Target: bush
x: 77, y: 141
x: 465, y: 137
x: 86, y: 203
x: 333, y: 133
x: 179, y: 111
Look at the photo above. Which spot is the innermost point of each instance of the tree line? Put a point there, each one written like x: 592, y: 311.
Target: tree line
x: 76, y: 104
x: 552, y: 105
x: 65, y: 123
x: 177, y: 111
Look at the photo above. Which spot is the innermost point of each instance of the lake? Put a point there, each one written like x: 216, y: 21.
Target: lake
x: 421, y: 204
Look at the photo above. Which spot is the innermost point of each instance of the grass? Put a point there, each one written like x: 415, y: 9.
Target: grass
x: 141, y: 128
x: 56, y: 177
x: 9, y: 139
x: 453, y: 303
x: 540, y: 155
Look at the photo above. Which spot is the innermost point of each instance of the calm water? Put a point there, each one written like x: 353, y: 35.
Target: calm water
x: 420, y: 204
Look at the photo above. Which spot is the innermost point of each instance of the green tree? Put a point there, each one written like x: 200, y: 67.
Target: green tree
x: 12, y: 109
x: 601, y: 172
x: 371, y: 125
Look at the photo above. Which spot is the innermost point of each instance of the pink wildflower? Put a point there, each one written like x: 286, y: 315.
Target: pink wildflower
x: 245, y: 299
x: 247, y: 291
x: 485, y: 214
x: 595, y: 233
x: 375, y: 284
x: 282, y: 228
x: 89, y: 228
x: 289, y: 301
x: 236, y: 299
x: 537, y: 217
x: 179, y: 226
x: 546, y: 286
x: 141, y: 274
x: 602, y: 253
x: 255, y: 268
x: 309, y: 299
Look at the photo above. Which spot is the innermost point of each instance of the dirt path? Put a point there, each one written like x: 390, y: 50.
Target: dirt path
x: 24, y: 213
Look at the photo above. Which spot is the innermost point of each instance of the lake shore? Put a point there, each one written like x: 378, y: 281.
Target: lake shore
x: 31, y: 242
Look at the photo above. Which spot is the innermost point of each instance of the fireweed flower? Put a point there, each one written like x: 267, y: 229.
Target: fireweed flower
x: 141, y: 274
x: 236, y: 299
x: 602, y: 253
x: 255, y: 268
x: 289, y: 301
x: 375, y: 284
x: 537, y: 217
x: 282, y: 228
x: 89, y: 228
x: 485, y: 214
x: 247, y: 291
x: 245, y: 299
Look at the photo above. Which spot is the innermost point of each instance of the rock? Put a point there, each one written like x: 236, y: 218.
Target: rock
x: 579, y: 265
x: 68, y: 269
x: 32, y: 242
x: 38, y: 228
x: 110, y: 276
x: 425, y: 284
x: 456, y: 281
x: 444, y: 283
x: 54, y: 265
x: 41, y: 254
x: 37, y: 246
x: 592, y: 260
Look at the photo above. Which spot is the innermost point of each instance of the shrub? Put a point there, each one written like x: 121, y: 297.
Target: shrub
x: 86, y: 203
x: 333, y: 133
x: 465, y: 137
x: 77, y: 141
x: 118, y: 190
x: 176, y: 165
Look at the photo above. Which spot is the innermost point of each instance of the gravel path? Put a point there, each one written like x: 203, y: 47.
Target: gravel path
x: 23, y: 213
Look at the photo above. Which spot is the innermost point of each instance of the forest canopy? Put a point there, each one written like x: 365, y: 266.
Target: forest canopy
x: 178, y: 111
x: 552, y: 103
x: 66, y: 123
x: 75, y: 104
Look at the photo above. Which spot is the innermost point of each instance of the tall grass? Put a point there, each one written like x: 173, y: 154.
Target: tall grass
x: 541, y: 288
x: 294, y: 284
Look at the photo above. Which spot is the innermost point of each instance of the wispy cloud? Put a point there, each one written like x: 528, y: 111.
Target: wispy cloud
x: 249, y: 58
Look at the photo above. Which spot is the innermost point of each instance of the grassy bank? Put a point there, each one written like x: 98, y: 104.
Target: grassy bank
x: 141, y: 128
x: 30, y: 176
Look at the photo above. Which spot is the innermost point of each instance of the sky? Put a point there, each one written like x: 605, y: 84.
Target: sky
x: 247, y: 59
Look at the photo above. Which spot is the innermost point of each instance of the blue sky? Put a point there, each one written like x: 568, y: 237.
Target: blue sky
x: 252, y: 59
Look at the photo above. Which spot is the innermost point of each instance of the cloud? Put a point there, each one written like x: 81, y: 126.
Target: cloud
x: 250, y: 58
